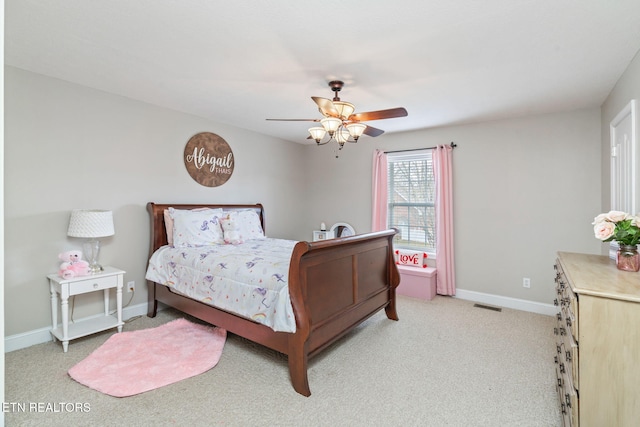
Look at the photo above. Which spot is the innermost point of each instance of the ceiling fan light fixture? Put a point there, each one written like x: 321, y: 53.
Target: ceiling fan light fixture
x: 345, y: 109
x: 317, y: 133
x: 331, y: 124
x: 356, y: 130
x: 341, y: 122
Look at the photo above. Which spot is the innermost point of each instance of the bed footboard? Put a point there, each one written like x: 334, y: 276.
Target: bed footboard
x: 334, y: 285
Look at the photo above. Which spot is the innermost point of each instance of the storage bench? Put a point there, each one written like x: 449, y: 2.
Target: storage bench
x: 417, y: 282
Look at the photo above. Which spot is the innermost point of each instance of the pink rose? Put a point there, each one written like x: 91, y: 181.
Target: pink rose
x: 604, y: 230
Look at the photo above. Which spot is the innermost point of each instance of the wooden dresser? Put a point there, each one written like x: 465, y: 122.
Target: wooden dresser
x: 597, y: 341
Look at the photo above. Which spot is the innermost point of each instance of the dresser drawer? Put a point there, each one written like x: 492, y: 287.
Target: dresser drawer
x: 568, y: 400
x: 571, y: 356
x: 568, y: 362
x: 570, y: 321
x: 572, y: 306
x: 561, y: 281
x: 560, y: 329
x: 568, y: 302
x: 92, y: 284
x: 571, y: 401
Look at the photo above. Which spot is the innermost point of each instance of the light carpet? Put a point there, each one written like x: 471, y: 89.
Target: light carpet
x: 131, y: 363
x: 444, y: 363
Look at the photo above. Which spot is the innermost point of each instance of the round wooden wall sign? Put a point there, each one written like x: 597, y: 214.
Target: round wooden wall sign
x: 209, y: 159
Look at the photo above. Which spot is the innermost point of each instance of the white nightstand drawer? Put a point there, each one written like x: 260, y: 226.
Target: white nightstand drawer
x: 92, y: 284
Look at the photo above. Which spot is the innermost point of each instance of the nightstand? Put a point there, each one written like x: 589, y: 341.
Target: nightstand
x: 110, y: 278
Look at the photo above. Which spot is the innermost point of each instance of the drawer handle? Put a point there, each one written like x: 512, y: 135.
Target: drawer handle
x: 562, y: 370
x: 564, y: 410
x: 568, y: 322
x: 559, y: 382
x: 555, y: 302
x: 559, y: 316
x: 95, y: 285
x: 563, y: 331
x: 568, y: 400
x: 558, y: 350
x: 555, y: 359
x: 567, y: 356
x: 555, y: 331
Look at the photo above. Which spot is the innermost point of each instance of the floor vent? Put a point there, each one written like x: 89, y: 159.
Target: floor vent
x: 488, y: 307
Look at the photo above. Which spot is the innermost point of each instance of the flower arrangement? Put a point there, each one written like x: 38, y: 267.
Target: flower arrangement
x: 618, y: 226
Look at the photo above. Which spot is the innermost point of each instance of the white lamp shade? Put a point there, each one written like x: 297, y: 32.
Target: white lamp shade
x: 90, y: 223
x: 331, y: 124
x: 345, y: 109
x: 342, y: 136
x: 317, y: 133
x: 356, y: 129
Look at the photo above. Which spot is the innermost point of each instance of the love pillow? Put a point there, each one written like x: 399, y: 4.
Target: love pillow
x: 411, y: 258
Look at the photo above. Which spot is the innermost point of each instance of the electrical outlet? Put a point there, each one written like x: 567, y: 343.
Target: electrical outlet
x: 131, y: 286
x: 526, y: 282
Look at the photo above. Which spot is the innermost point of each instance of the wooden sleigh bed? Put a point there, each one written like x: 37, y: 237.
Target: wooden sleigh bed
x: 334, y: 285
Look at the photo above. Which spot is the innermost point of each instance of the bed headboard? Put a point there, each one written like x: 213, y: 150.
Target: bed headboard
x: 156, y: 214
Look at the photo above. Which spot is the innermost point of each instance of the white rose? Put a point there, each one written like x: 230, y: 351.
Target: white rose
x: 617, y: 216
x: 635, y: 220
x: 600, y: 218
x: 604, y: 230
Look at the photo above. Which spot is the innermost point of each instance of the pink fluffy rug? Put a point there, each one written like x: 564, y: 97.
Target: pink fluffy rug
x: 133, y: 362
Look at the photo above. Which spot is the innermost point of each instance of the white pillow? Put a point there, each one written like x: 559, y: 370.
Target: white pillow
x: 247, y: 223
x: 168, y: 221
x: 196, y: 227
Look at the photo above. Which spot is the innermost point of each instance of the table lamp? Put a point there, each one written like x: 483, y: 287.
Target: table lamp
x: 91, y: 224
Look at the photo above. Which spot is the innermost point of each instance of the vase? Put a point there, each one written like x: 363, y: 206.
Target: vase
x: 627, y: 258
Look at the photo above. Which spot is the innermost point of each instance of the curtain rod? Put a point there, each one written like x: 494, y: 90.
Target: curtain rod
x: 416, y: 149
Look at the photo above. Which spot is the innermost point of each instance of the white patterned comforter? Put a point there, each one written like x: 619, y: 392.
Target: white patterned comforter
x: 250, y: 279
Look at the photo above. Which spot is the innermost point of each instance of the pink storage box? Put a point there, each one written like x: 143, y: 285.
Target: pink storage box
x: 417, y: 282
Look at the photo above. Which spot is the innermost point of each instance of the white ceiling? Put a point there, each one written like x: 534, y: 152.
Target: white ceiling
x: 242, y: 61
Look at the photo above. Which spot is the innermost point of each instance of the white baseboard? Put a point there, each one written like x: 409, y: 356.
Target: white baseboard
x: 42, y: 335
x: 507, y: 302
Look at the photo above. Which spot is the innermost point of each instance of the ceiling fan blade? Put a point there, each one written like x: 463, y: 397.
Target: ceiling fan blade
x: 326, y: 106
x: 371, y: 131
x: 378, y: 115
x: 294, y: 120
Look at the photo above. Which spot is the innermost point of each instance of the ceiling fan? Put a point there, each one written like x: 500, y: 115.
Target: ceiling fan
x: 341, y: 122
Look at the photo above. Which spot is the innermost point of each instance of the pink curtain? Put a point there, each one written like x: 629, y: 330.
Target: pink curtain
x: 379, y: 196
x: 442, y: 166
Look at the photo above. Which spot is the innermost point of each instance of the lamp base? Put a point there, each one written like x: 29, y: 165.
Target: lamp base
x: 95, y: 269
x: 91, y: 250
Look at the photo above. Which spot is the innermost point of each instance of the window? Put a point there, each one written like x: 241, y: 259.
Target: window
x: 411, y: 199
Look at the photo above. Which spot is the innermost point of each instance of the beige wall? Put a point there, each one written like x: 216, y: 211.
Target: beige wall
x: 523, y: 189
x: 69, y: 147
x: 626, y: 89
